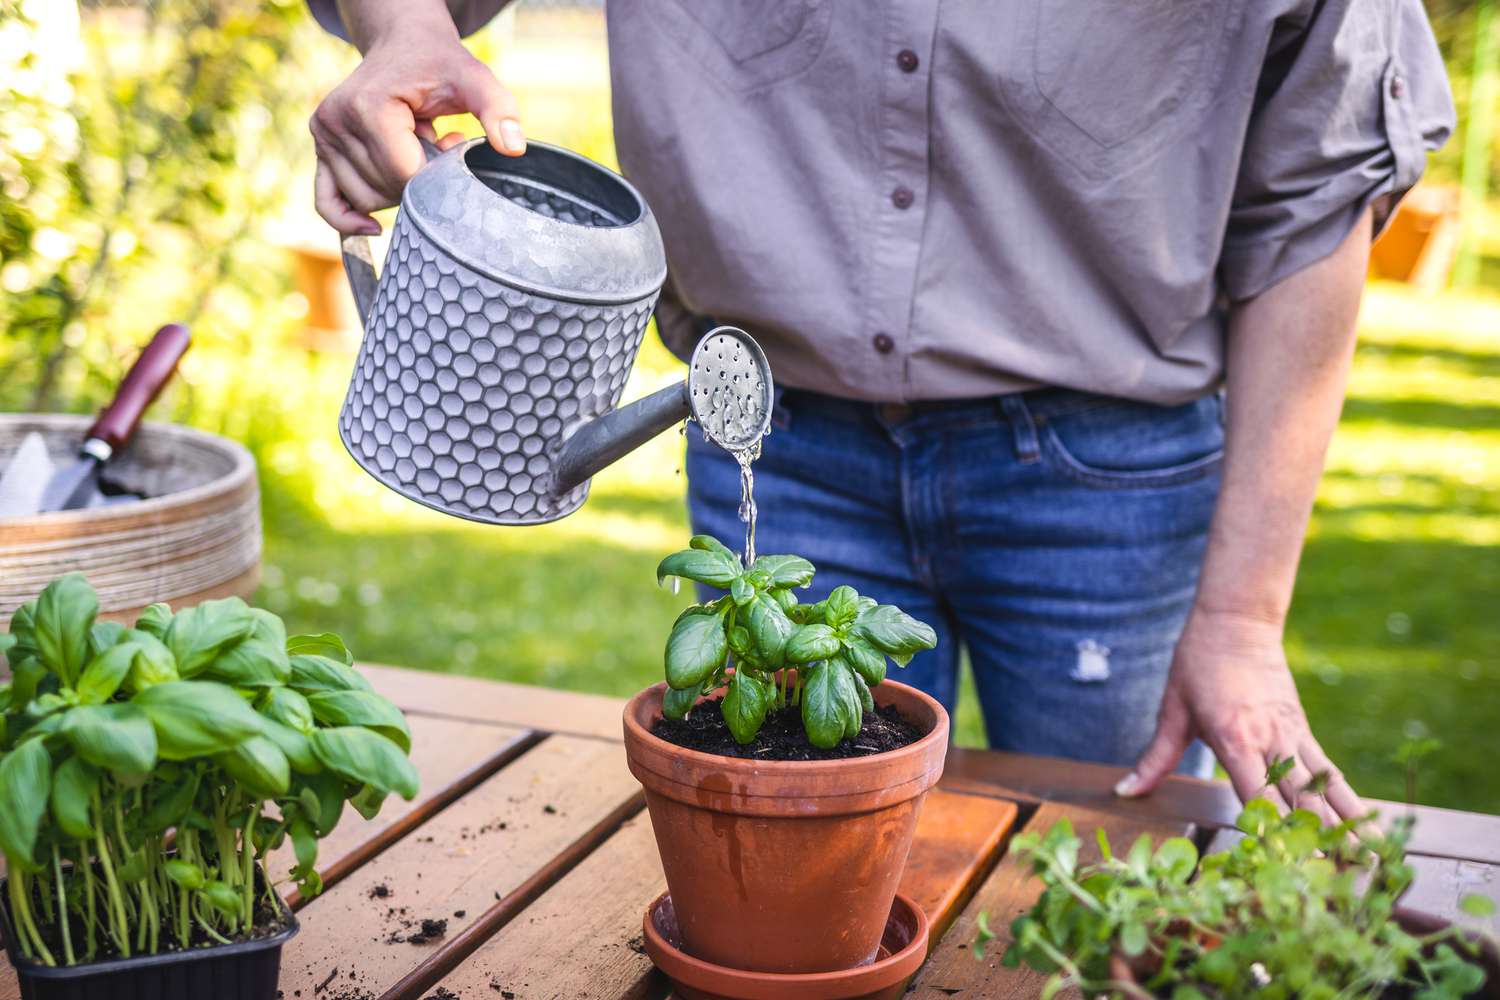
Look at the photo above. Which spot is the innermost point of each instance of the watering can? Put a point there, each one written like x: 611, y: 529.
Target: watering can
x: 500, y: 331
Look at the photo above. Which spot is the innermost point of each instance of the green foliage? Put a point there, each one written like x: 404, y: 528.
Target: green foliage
x: 113, y: 739
x: 837, y: 647
x: 1294, y: 909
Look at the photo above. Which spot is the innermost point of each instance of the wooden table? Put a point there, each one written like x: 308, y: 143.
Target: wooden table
x: 531, y: 841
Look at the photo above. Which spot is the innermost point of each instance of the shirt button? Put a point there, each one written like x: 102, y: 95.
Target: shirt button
x: 902, y: 197
x: 884, y: 344
x: 907, y: 61
x: 1398, y: 87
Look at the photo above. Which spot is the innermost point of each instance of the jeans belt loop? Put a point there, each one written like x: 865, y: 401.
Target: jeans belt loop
x: 1018, y: 414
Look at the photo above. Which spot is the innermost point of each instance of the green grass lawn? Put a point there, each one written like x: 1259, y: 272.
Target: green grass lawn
x: 1395, y: 630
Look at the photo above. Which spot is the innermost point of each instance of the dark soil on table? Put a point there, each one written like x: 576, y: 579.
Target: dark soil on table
x: 782, y: 737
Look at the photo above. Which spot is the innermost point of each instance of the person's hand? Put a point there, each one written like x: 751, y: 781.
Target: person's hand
x: 1231, y: 687
x: 365, y: 132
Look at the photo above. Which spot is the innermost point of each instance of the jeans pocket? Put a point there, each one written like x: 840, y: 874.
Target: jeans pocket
x: 1136, y: 445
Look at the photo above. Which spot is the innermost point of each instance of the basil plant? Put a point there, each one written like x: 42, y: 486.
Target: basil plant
x: 147, y: 772
x: 838, y: 646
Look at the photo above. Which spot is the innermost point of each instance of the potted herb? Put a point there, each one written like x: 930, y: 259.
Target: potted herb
x: 1294, y: 909
x: 783, y: 771
x: 147, y: 772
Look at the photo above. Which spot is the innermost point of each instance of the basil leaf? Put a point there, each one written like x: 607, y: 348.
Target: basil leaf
x: 823, y: 705
x: 23, y: 627
x: 117, y: 737
x: 742, y: 590
x: 313, y: 672
x: 866, y: 699
x: 362, y: 708
x: 786, y: 571
x: 25, y: 780
x: 196, y: 718
x: 676, y: 704
x: 304, y: 846
x: 184, y: 873
x: 64, y: 615
x: 221, y: 897
x: 368, y: 800
x: 26, y: 677
x: 366, y: 757
x: 288, y: 707
x: 155, y: 619
x: 104, y: 635
x: 745, y: 704
x: 898, y: 634
x: 258, y: 765
x: 1176, y: 859
x: 295, y: 745
x: 811, y: 642
x: 153, y: 662
x: 842, y: 606
x: 174, y: 803
x: 713, y: 568
x: 769, y: 629
x: 849, y: 688
x: 105, y: 673
x: 330, y: 791
x: 258, y: 660
x: 695, y: 649
x: 865, y: 660
x: 73, y: 785
x: 198, y: 635
x: 326, y: 644
x: 708, y: 543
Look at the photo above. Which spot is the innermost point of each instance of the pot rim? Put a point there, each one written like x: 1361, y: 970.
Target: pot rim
x: 787, y: 787
x: 860, y: 980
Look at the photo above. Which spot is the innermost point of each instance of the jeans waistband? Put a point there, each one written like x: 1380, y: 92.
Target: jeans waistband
x: 1036, y: 403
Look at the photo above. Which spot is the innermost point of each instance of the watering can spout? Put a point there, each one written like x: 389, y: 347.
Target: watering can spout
x: 606, y: 439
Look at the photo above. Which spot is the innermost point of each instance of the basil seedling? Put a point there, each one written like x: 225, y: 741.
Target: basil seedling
x: 746, y: 640
x: 147, y: 772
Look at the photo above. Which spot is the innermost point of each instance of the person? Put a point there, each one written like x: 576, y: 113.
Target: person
x: 1003, y: 260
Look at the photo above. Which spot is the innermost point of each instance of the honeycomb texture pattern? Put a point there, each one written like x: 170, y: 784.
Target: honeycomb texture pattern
x: 465, y: 390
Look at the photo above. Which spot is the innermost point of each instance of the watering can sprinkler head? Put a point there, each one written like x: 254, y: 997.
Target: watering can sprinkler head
x: 500, y: 332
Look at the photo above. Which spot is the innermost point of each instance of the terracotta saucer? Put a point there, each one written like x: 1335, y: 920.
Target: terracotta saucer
x: 902, y: 950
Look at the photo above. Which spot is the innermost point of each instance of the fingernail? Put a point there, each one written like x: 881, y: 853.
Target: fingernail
x: 511, y: 136
x: 1126, y: 786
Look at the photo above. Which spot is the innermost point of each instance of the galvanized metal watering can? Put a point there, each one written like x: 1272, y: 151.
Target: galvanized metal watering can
x: 500, y: 332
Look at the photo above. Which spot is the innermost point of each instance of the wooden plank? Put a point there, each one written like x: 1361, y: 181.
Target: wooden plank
x: 951, y: 967
x: 456, y: 868
x: 451, y: 757
x: 1441, y: 882
x: 482, y: 700
x: 1439, y: 832
x: 958, y: 839
x: 581, y: 939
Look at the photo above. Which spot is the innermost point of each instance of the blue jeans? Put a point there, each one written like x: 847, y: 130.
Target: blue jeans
x: 1056, y: 535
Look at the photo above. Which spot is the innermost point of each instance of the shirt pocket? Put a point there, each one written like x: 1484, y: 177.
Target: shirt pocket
x: 1102, y: 83
x: 1129, y: 445
x: 746, y: 44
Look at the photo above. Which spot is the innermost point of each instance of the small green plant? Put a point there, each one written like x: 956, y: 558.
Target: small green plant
x: 837, y: 646
x: 1294, y: 909
x: 146, y: 772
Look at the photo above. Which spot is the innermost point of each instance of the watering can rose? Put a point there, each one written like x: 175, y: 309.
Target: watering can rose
x: 210, y: 725
x: 822, y: 657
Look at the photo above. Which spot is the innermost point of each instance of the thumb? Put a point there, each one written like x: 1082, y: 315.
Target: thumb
x: 1173, y: 734
x: 495, y: 107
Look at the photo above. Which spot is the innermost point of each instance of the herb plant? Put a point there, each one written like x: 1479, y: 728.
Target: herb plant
x: 837, y: 647
x: 146, y: 772
x: 1294, y: 909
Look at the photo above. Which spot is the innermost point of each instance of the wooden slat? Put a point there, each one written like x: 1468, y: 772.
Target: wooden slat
x: 1441, y: 882
x: 1439, y: 832
x: 952, y: 970
x: 581, y: 939
x: 498, y: 701
x: 450, y: 756
x: 958, y: 839
x: 457, y: 866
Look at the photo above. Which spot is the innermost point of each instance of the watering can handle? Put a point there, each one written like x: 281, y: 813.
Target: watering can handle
x: 359, y: 261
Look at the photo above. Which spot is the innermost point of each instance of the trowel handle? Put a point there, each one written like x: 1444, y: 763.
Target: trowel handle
x: 143, y: 383
x: 359, y: 260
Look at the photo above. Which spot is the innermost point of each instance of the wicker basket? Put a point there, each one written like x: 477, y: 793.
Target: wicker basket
x: 197, y: 537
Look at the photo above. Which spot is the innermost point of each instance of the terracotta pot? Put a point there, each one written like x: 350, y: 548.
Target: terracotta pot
x: 785, y: 866
x: 903, y: 946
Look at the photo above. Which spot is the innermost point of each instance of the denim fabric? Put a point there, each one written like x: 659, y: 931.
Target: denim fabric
x: 1056, y: 535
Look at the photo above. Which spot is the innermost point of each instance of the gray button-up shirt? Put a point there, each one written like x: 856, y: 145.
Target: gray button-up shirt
x: 926, y: 199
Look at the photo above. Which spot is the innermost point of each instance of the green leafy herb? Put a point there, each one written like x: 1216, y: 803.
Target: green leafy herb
x: 823, y: 657
x: 210, y: 726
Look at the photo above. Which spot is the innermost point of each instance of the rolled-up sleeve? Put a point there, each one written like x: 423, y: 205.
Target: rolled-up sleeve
x: 468, y: 15
x: 1350, y: 101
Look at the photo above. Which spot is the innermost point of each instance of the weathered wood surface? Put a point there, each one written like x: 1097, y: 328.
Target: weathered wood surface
x: 1446, y: 833
x: 457, y: 866
x: 481, y: 700
x: 959, y: 838
x: 952, y: 970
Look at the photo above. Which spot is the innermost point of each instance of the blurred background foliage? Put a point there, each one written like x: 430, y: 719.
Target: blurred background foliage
x: 155, y: 165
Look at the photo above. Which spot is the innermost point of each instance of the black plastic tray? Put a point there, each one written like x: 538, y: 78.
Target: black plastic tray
x: 244, y: 970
